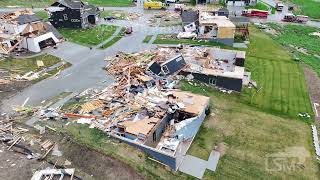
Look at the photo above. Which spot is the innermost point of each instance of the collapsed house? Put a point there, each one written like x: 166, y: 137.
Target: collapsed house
x: 22, y: 30
x: 212, y: 26
x: 73, y: 14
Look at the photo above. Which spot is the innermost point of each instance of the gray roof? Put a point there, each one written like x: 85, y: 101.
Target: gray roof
x: 239, y: 19
x: 25, y: 18
x: 54, y: 31
x: 91, y: 10
x: 188, y: 17
x: 73, y: 4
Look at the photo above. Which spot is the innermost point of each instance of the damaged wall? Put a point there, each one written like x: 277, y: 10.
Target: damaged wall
x: 155, y: 154
x: 229, y: 83
x: 159, y: 130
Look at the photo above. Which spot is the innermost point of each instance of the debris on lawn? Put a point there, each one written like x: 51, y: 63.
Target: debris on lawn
x: 165, y: 18
x: 19, y: 140
x: 315, y: 34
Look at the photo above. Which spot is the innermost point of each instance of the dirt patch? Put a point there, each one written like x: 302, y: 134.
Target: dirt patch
x: 91, y: 162
x: 313, y: 81
x: 16, y: 166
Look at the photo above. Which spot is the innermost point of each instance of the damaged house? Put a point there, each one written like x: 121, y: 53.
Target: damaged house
x: 72, y: 14
x: 23, y: 30
x: 212, y: 26
x: 218, y: 67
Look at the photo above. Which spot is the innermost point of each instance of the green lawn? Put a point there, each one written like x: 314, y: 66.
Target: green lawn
x: 262, y: 6
x: 283, y: 87
x: 147, y: 39
x: 119, y: 15
x: 115, y: 39
x: 299, y: 36
x: 115, y: 3
x: 46, y: 3
x: 307, y: 7
x: 89, y: 37
x: 245, y: 136
x: 24, y: 65
x: 171, y: 39
x: 43, y: 15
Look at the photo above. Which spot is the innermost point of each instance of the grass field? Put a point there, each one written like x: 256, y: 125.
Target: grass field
x: 283, y: 88
x: 46, y: 3
x: 88, y: 37
x: 298, y: 36
x: 307, y: 7
x: 115, y: 3
x: 245, y: 136
x: 24, y: 65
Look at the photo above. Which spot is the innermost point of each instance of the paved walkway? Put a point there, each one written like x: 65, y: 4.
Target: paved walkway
x: 196, y: 167
x: 116, y: 33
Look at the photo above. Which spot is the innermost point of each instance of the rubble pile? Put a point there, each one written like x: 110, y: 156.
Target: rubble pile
x: 20, y: 140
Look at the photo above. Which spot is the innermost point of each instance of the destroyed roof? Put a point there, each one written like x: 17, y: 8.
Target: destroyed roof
x: 188, y: 17
x: 224, y: 10
x: 239, y: 20
x: 73, y: 4
x: 221, y: 21
x: 25, y: 18
x: 237, y: 73
x: 226, y: 54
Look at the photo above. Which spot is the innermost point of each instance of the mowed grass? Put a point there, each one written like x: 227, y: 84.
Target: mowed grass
x: 115, y: 3
x: 262, y: 6
x: 307, y: 7
x: 281, y: 83
x: 46, y: 3
x: 299, y: 36
x: 168, y: 39
x: 246, y: 136
x: 89, y: 37
x: 24, y: 65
